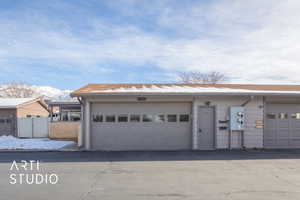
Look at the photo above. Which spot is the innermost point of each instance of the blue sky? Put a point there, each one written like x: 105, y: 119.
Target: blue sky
x: 67, y: 44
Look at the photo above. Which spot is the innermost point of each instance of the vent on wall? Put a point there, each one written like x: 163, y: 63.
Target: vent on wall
x: 141, y: 98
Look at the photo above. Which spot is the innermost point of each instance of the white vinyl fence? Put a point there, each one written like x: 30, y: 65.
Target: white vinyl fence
x: 33, y: 127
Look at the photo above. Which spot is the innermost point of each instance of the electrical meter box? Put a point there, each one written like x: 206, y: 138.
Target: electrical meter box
x: 237, y: 118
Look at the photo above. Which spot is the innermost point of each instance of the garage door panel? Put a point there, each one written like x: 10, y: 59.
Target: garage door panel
x: 295, y: 142
x: 269, y: 134
x: 283, y: 124
x: 143, y: 138
x: 295, y: 134
x: 283, y: 134
x: 271, y: 124
x: 295, y: 124
x: 282, y: 128
x: 142, y: 135
x: 270, y: 143
x: 282, y: 142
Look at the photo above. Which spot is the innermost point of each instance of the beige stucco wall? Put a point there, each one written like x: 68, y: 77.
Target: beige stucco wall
x: 33, y: 109
x: 64, y: 130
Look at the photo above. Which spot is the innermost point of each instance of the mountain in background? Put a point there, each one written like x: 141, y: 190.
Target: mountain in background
x: 26, y: 91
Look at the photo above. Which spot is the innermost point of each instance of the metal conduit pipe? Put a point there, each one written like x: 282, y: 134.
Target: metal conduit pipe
x: 250, y: 98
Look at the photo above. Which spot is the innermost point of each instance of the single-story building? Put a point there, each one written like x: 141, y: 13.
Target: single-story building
x: 189, y: 116
x: 13, y: 108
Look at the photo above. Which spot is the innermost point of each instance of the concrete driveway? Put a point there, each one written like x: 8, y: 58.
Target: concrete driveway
x: 157, y: 175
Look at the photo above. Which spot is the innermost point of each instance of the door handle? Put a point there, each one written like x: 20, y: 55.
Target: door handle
x: 200, y: 130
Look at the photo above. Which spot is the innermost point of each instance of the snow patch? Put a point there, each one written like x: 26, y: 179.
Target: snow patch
x: 13, y: 102
x: 10, y: 142
x: 190, y: 90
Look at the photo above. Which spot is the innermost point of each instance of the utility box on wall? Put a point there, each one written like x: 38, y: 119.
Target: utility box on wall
x: 237, y: 118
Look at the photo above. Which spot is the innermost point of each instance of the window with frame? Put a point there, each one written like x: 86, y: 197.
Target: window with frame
x: 75, y: 116
x: 159, y: 118
x: 135, y: 118
x: 184, y: 118
x: 110, y: 118
x: 295, y: 116
x: 123, y: 118
x: 283, y: 116
x: 64, y: 116
x: 271, y: 116
x: 147, y: 118
x: 97, y: 118
x: 172, y: 118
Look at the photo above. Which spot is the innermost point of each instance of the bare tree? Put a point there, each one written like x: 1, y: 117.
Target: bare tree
x: 204, y: 78
x: 17, y: 90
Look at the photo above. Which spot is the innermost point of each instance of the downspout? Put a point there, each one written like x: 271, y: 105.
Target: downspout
x: 250, y: 98
x: 80, y: 101
x: 81, y: 123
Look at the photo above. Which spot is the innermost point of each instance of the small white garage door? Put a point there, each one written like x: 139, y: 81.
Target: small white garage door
x: 141, y: 126
x: 282, y: 128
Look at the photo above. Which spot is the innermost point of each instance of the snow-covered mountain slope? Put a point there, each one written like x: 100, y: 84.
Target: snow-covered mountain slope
x: 52, y: 93
x: 23, y: 90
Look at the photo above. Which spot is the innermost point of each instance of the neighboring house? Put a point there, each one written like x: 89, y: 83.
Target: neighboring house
x: 189, y: 116
x: 13, y: 108
x: 65, y: 119
x: 64, y: 110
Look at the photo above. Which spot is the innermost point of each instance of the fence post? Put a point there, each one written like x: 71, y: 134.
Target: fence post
x: 32, y: 127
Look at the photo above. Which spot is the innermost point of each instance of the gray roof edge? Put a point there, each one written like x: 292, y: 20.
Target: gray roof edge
x: 8, y: 107
x: 187, y: 94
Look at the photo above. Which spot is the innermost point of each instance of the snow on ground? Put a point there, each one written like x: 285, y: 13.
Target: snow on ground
x: 10, y: 142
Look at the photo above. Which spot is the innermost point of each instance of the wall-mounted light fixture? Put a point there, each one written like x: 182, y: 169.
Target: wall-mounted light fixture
x: 141, y: 98
x: 207, y: 103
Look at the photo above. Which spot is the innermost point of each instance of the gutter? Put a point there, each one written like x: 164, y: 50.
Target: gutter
x: 185, y: 94
x: 242, y: 132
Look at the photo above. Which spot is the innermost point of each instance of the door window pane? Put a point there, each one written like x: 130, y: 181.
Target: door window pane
x: 172, y: 118
x: 135, y: 118
x: 65, y: 116
x: 184, y: 118
x: 147, y: 118
x: 295, y: 115
x: 282, y: 115
x: 271, y: 116
x: 75, y: 116
x: 159, y: 118
x: 123, y: 118
x: 97, y: 118
x: 110, y: 118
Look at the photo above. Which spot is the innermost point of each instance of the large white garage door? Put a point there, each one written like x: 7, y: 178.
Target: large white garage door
x: 141, y: 126
x: 282, y: 129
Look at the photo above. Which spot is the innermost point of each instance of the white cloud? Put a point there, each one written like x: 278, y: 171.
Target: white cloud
x: 251, y: 41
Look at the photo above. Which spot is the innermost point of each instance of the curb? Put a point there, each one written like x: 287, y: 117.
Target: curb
x: 39, y: 150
